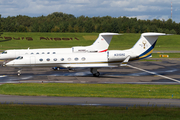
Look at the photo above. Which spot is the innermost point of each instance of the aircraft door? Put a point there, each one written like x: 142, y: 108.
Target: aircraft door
x: 108, y: 55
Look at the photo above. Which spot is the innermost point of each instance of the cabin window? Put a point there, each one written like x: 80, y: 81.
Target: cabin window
x: 4, y: 52
x: 62, y: 59
x: 76, y: 59
x: 54, y: 52
x: 55, y: 59
x: 37, y: 53
x: 41, y: 59
x: 48, y: 52
x: 69, y: 59
x: 48, y: 59
x: 32, y: 53
x: 83, y: 58
x: 42, y: 52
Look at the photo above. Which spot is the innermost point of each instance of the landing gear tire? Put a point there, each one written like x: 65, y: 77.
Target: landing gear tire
x: 19, y: 72
x: 4, y: 64
x: 96, y: 74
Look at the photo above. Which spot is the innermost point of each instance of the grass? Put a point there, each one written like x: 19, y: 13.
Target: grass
x: 37, y: 43
x: 92, y: 90
x: 46, y: 112
x: 119, y: 42
x: 43, y: 112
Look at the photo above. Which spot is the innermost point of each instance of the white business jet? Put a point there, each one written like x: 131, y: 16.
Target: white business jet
x: 100, y: 45
x: 112, y: 58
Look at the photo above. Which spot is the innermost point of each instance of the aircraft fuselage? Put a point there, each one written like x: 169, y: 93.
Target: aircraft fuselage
x: 71, y: 60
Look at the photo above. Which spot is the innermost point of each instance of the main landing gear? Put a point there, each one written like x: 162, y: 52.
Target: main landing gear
x: 95, y: 72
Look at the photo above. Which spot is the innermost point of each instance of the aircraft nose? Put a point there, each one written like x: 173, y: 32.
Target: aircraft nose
x: 10, y: 63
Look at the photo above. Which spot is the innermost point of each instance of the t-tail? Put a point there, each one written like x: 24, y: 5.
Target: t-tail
x: 103, y: 41
x: 145, y: 45
x: 100, y: 45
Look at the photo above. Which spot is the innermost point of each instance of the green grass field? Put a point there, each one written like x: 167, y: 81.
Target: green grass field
x: 46, y: 112
x: 92, y: 90
x: 43, y: 112
x: 120, y: 42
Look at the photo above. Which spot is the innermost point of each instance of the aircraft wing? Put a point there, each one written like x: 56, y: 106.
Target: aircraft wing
x: 124, y: 63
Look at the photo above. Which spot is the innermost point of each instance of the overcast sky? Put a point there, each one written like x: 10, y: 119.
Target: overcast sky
x: 142, y: 9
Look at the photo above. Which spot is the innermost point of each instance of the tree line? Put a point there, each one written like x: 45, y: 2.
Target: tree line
x: 62, y: 22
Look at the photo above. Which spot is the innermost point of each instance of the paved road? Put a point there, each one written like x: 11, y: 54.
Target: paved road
x: 165, y: 67
x: 43, y: 100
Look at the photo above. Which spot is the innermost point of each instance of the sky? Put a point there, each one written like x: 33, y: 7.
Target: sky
x: 141, y: 9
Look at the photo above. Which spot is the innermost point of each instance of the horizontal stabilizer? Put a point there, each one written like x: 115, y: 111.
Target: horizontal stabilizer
x: 153, y: 34
x: 124, y: 63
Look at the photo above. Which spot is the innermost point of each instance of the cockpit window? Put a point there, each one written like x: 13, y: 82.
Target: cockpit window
x: 19, y: 58
x: 4, y: 52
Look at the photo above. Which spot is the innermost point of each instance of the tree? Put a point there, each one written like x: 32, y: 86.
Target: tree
x: 172, y: 31
x: 70, y: 28
x: 55, y: 29
x: 76, y: 28
x: 62, y: 22
x: 0, y: 24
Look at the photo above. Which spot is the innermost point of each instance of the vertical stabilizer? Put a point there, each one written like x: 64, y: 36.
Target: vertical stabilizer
x: 145, y: 45
x: 100, y: 45
x: 103, y: 41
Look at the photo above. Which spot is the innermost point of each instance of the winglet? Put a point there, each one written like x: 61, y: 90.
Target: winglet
x: 124, y: 63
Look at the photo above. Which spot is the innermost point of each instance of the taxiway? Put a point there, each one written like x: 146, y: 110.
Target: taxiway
x: 168, y: 68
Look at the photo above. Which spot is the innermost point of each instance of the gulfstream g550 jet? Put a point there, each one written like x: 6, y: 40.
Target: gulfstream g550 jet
x: 100, y: 45
x: 112, y: 58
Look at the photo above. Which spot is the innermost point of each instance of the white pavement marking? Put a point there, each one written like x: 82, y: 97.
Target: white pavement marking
x: 154, y: 73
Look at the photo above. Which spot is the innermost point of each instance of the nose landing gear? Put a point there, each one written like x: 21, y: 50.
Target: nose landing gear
x: 19, y: 72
